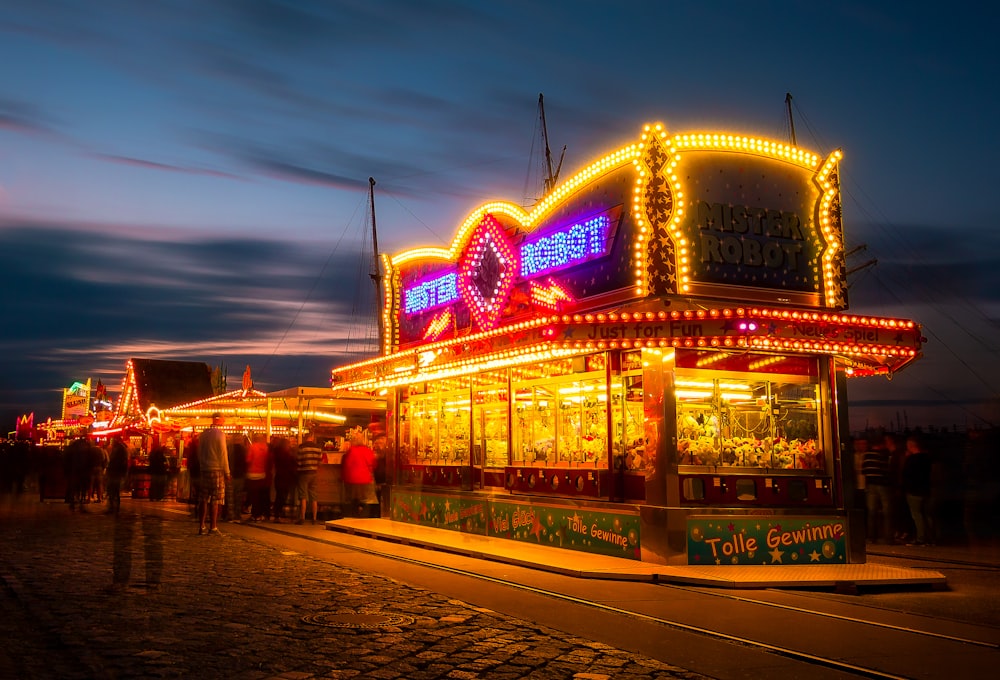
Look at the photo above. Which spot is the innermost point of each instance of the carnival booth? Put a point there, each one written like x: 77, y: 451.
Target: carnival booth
x: 164, y: 404
x: 290, y: 414
x: 651, y: 363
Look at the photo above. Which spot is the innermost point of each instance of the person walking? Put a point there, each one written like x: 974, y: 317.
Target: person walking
x: 115, y: 478
x: 285, y: 465
x: 213, y: 459
x: 308, y: 456
x: 358, y: 472
x: 235, y: 492
x: 98, y: 457
x: 876, y: 466
x: 77, y: 469
x: 258, y: 480
x: 917, y: 487
x: 194, y: 476
x: 158, y: 473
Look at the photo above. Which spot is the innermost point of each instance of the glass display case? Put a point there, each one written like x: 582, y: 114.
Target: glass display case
x: 763, y: 421
x: 561, y: 418
x: 627, y: 412
x: 435, y: 424
x: 490, y: 427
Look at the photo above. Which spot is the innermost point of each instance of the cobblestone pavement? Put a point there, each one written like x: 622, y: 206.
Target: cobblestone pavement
x: 141, y: 595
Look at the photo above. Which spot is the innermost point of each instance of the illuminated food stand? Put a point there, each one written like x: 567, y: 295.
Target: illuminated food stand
x: 651, y: 363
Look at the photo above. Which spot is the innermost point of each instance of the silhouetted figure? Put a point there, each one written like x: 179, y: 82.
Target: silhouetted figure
x: 917, y: 487
x: 115, y: 475
x: 284, y: 464
x: 877, y: 470
x: 158, y: 473
x: 77, y: 469
x: 236, y: 491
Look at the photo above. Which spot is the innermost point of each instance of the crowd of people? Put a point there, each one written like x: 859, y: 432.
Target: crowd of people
x: 927, y: 488
x: 916, y: 487
x: 227, y: 477
x: 240, y: 478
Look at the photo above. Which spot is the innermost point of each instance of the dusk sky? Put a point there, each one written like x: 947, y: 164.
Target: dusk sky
x: 188, y: 179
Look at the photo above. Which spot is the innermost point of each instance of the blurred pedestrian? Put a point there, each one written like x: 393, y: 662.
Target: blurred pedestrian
x: 76, y: 465
x: 98, y: 462
x: 899, y: 512
x: 213, y: 459
x: 381, y: 448
x: 194, y: 476
x: 115, y: 476
x: 259, y: 479
x: 981, y: 479
x: 917, y: 487
x: 358, y: 471
x: 284, y: 464
x: 308, y: 456
x: 157, y: 473
x: 877, y: 470
x: 239, y: 448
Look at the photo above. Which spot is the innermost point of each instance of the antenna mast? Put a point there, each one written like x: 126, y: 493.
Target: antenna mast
x: 551, y: 178
x: 791, y: 121
x: 376, y: 272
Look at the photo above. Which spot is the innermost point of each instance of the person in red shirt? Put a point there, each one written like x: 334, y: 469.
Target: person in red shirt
x: 358, y: 473
x: 258, y: 480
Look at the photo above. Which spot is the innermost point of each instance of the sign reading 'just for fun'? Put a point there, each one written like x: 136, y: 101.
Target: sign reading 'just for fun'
x: 771, y: 540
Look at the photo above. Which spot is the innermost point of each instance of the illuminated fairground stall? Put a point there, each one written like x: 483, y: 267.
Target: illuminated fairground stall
x: 167, y: 403
x: 651, y: 363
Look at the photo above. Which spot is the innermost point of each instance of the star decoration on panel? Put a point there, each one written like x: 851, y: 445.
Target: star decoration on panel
x: 486, y: 272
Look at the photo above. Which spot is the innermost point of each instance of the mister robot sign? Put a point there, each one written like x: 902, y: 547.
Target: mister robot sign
x: 759, y: 223
x: 714, y: 216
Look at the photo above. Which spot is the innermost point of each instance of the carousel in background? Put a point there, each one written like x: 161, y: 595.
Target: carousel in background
x: 163, y: 405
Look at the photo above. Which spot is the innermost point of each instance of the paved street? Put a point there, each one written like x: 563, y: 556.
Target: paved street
x: 89, y: 595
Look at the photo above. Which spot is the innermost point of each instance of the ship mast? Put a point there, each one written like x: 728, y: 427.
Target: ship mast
x: 376, y: 271
x: 791, y: 121
x: 551, y: 177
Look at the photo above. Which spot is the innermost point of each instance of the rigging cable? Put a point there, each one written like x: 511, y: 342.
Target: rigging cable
x: 309, y: 294
x: 889, y: 231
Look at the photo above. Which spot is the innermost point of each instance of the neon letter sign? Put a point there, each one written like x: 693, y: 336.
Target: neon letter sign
x: 574, y: 245
x: 431, y: 293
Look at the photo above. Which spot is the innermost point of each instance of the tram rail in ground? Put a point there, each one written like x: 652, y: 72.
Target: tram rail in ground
x: 840, y: 636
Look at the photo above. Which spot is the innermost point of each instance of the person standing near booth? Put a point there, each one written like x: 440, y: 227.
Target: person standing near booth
x: 213, y: 459
x: 258, y: 484
x: 358, y: 472
x: 117, y: 469
x: 876, y: 467
x: 309, y: 456
x: 917, y: 487
x: 285, y: 467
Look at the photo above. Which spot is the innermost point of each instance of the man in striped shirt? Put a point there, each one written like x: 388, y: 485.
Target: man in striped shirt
x: 309, y: 455
x: 876, y: 466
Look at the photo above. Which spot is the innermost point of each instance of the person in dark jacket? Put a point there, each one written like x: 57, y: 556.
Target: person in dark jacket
x: 115, y: 477
x: 77, y: 470
x: 876, y: 466
x: 158, y: 473
x: 285, y: 466
x: 916, y: 482
x: 239, y: 446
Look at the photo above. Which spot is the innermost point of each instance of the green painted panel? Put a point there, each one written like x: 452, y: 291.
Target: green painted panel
x: 456, y: 513
x: 767, y: 540
x: 602, y: 532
